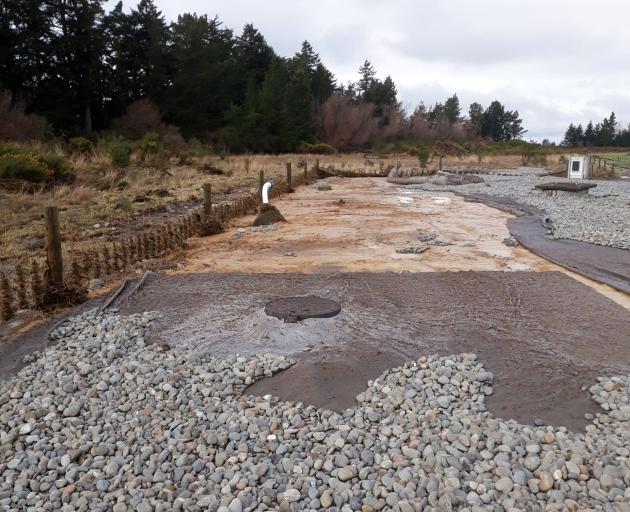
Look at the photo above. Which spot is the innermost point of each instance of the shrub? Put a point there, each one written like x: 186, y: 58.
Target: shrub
x: 25, y: 164
x: 20, y: 127
x: 141, y: 117
x: 18, y: 166
x: 184, y: 158
x: 172, y: 139
x: 80, y: 146
x: 197, y: 148
x: 119, y: 150
x: 148, y: 145
x: 533, y: 158
x: 423, y: 156
x: 59, y: 167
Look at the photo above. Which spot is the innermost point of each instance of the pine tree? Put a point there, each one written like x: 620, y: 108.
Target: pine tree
x: 500, y: 124
x: 206, y: 71
x: 70, y: 93
x: 272, y: 108
x: 368, y: 74
x: 589, y: 134
x: 475, y: 113
x: 570, y: 137
x: 138, y: 70
x: 299, y: 108
x: 452, y: 110
x: 26, y: 33
x: 323, y: 84
x: 254, y: 56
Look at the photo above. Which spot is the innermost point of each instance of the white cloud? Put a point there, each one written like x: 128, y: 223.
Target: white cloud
x: 557, y: 61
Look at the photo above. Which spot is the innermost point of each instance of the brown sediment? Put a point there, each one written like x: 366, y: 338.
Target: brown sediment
x: 544, y: 335
x: 357, y: 227
x: 269, y: 214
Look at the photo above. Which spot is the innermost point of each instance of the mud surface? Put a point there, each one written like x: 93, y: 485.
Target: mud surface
x: 607, y: 265
x: 544, y: 335
x: 14, y: 349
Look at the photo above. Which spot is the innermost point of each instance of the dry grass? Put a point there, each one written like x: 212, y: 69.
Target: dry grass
x: 106, y: 203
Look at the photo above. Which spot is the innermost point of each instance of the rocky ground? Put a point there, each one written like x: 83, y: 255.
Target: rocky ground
x: 602, y: 217
x: 101, y: 421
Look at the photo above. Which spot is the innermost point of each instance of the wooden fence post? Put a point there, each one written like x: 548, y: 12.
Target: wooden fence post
x: 305, y: 173
x: 440, y: 165
x: 53, y: 246
x: 289, y: 176
x: 207, y: 199
x: 317, y: 165
x: 261, y: 181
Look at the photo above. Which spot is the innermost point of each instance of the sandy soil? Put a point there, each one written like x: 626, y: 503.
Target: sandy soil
x: 357, y: 227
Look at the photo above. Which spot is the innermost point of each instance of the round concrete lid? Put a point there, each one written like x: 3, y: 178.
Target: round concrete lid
x: 294, y: 309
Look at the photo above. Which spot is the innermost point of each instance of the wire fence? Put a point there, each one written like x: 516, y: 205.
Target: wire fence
x: 29, y: 284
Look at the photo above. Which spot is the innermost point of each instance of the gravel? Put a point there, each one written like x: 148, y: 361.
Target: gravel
x: 100, y: 421
x: 602, y: 217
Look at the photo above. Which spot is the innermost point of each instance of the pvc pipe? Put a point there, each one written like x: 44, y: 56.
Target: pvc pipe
x: 265, y: 192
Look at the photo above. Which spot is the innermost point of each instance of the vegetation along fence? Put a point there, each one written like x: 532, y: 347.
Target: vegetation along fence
x: 43, y: 283
x: 610, y: 164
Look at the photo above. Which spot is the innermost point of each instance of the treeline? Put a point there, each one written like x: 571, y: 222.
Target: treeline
x: 77, y: 69
x: 605, y: 133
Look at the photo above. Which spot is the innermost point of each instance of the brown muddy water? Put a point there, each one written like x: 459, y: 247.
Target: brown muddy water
x: 544, y: 335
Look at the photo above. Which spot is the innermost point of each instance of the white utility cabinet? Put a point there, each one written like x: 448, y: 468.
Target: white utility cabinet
x: 579, y: 167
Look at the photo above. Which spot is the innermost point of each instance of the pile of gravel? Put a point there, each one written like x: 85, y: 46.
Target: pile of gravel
x: 602, y: 217
x: 103, y: 422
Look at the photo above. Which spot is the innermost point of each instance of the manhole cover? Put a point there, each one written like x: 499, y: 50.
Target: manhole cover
x: 294, y: 309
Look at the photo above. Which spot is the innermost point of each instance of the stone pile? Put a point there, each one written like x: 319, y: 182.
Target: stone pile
x: 101, y: 421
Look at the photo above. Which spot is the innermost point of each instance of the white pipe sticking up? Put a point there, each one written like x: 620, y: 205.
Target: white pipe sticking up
x: 265, y: 192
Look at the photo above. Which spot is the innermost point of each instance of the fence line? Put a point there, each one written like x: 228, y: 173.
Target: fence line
x: 609, y: 163
x: 40, y: 289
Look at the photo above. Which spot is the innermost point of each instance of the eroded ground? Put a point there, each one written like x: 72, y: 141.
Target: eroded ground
x: 545, y: 332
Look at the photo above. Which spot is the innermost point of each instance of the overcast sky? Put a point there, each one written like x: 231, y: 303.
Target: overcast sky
x: 556, y: 61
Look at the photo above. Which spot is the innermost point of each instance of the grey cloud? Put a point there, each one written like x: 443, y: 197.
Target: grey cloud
x: 556, y: 61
